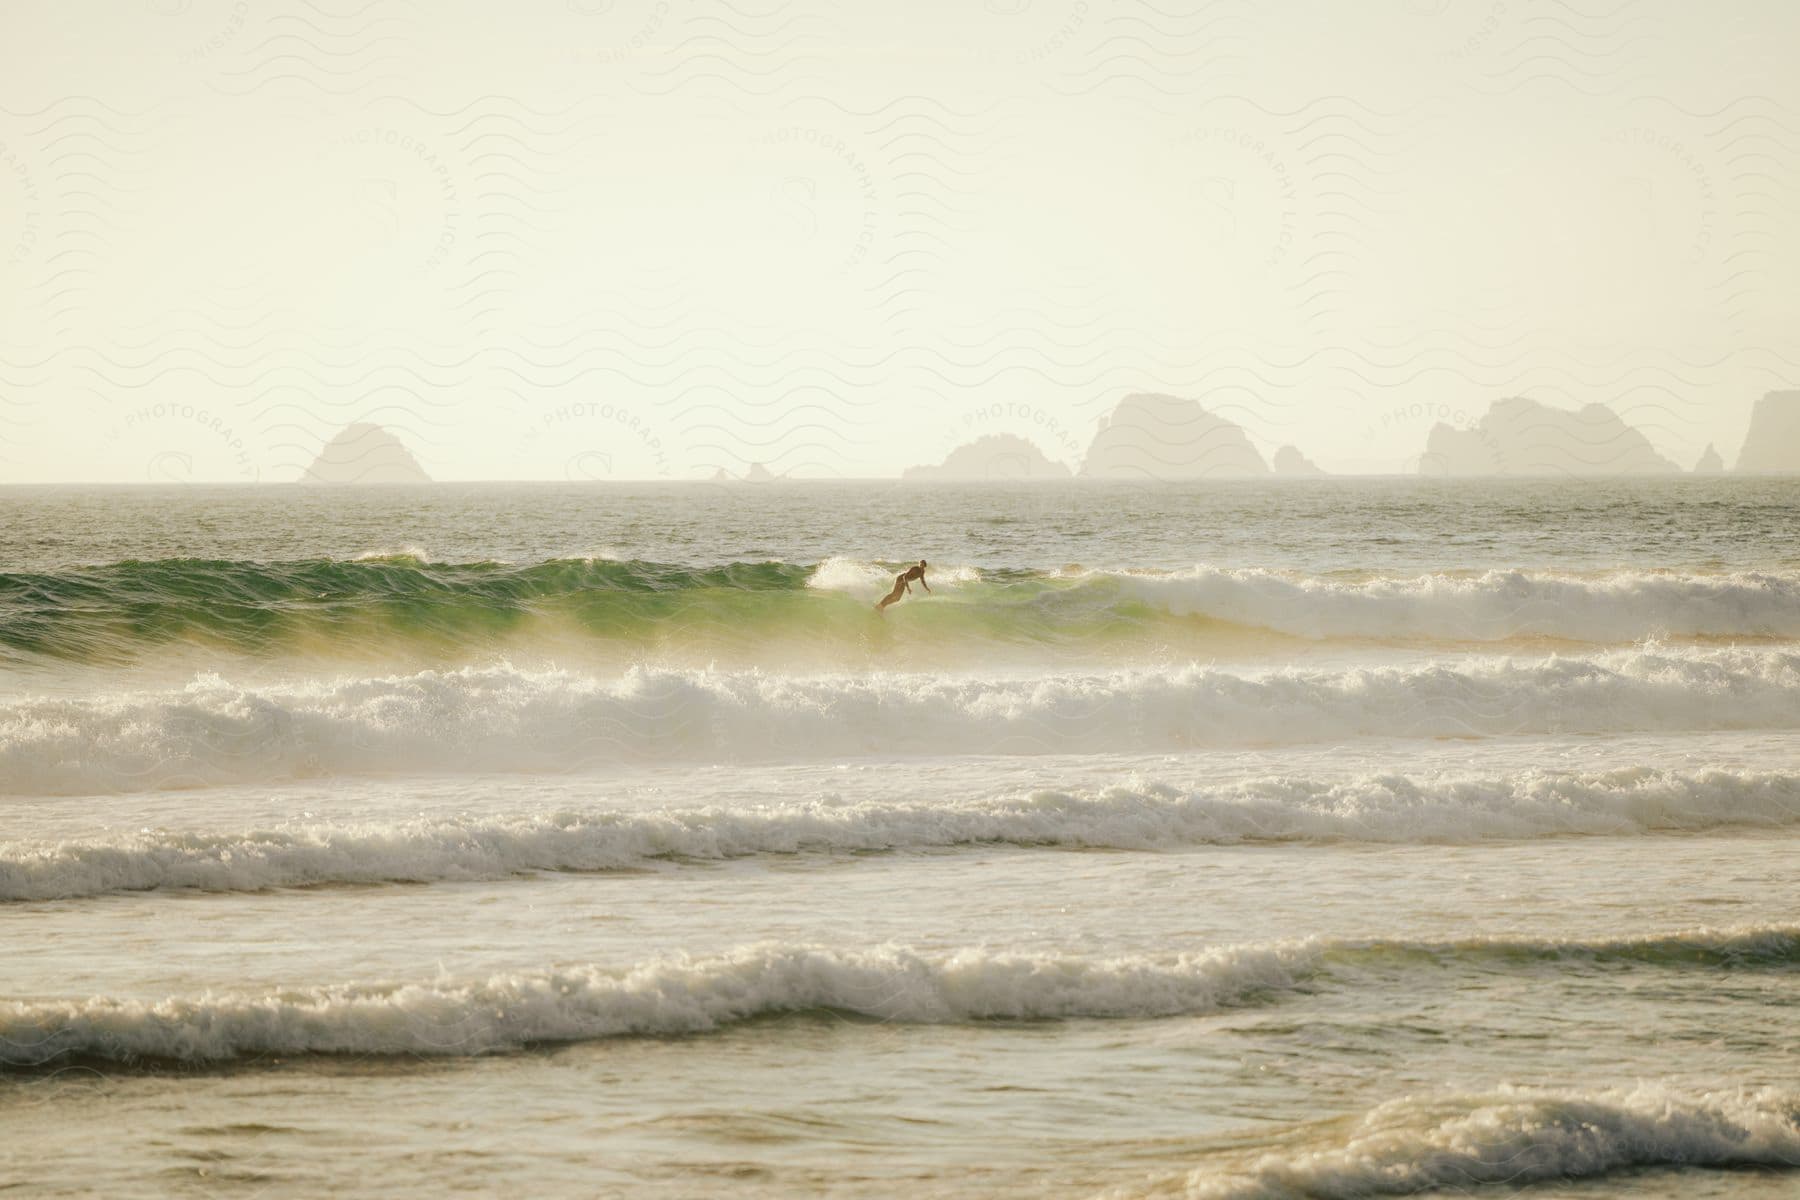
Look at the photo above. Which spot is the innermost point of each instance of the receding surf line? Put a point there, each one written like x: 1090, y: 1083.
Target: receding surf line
x: 687, y: 995
x: 117, y: 612
x: 1137, y: 815
x: 1512, y: 1136
x: 501, y: 719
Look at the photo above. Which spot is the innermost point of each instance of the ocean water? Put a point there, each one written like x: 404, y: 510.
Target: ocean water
x: 1349, y: 838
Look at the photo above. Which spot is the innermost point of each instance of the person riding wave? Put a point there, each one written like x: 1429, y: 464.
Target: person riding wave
x: 903, y: 585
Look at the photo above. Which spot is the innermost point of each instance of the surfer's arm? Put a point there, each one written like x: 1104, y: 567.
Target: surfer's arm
x: 923, y: 584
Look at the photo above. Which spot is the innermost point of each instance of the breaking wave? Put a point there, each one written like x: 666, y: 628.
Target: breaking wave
x: 1512, y: 1136
x: 501, y: 719
x: 1617, y: 607
x: 672, y: 996
x: 686, y: 995
x: 447, y: 612
x: 504, y: 719
x: 1138, y: 816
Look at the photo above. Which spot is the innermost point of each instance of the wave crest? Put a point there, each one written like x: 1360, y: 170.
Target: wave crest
x: 378, y: 605
x: 682, y: 995
x: 1614, y: 608
x: 1138, y: 816
x: 672, y: 996
x: 1512, y: 1136
x: 504, y: 719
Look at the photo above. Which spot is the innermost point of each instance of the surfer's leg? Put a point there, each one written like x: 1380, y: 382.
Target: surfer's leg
x: 899, y: 589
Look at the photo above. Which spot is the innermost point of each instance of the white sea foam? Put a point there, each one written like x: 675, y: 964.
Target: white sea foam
x: 410, y: 554
x: 1513, y: 1136
x: 1138, y: 815
x: 856, y: 575
x: 1618, y: 607
x: 683, y: 994
x: 504, y: 719
x: 671, y: 996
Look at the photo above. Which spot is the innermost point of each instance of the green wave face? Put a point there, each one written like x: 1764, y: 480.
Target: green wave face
x: 402, y: 608
x: 1775, y: 949
x: 784, y: 615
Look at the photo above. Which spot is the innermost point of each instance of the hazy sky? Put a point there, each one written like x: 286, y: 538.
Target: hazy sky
x: 653, y: 238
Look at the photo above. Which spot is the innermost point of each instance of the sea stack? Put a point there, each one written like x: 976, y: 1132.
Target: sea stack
x: 365, y: 453
x: 1291, y: 464
x: 1151, y: 436
x: 1773, y: 443
x: 995, y: 456
x: 1517, y: 436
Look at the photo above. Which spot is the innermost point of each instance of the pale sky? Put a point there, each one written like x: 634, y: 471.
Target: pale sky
x: 553, y: 239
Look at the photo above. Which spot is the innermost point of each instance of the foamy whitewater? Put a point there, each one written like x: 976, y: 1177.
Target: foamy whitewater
x: 1350, y: 839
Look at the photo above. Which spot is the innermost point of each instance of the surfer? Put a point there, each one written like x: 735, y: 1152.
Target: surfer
x: 903, y: 585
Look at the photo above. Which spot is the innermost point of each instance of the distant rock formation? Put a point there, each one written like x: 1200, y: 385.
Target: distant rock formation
x: 995, y: 456
x: 365, y: 453
x: 1710, y: 463
x: 1773, y: 443
x: 1166, y: 437
x: 1523, y: 437
x: 754, y: 473
x: 1288, y: 461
